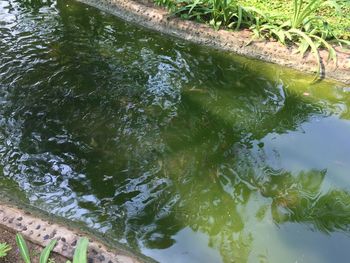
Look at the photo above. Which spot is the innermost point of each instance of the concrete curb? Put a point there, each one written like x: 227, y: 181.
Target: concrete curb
x: 158, y: 19
x: 41, y: 232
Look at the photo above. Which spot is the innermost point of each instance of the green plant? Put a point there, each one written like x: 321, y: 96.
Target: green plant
x: 303, y: 28
x: 198, y: 10
x: 218, y: 13
x: 169, y: 4
x: 4, y: 248
x: 80, y: 253
x: 223, y: 12
x: 23, y: 249
x: 304, y: 12
x: 44, y: 256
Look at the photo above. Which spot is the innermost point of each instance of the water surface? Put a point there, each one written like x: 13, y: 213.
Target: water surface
x: 183, y: 153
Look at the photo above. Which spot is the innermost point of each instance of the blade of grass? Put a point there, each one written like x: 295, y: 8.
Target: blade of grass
x: 44, y: 256
x: 23, y: 249
x: 80, y: 254
x: 308, y: 10
x: 239, y: 16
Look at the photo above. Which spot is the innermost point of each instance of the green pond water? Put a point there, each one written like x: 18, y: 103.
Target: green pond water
x: 180, y: 152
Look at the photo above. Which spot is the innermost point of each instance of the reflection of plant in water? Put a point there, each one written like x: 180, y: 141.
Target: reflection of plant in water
x: 36, y: 4
x: 331, y: 211
x: 227, y: 205
x: 300, y: 199
x: 291, y: 193
x: 225, y: 190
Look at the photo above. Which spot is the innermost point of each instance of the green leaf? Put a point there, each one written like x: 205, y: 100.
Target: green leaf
x: 301, y: 13
x: 342, y: 41
x: 80, y: 254
x: 288, y: 35
x: 4, y: 248
x: 332, y: 54
x: 280, y: 34
x: 23, y: 249
x: 44, y: 256
x: 239, y: 16
x: 303, y: 47
x: 312, y: 46
x: 309, y: 9
x: 193, y: 6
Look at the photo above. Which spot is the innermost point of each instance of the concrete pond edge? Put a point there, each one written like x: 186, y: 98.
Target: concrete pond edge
x: 146, y: 14
x: 40, y: 230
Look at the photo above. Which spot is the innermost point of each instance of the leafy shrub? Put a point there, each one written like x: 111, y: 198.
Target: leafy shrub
x: 218, y: 13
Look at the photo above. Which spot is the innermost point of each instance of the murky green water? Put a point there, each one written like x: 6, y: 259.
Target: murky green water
x: 183, y: 153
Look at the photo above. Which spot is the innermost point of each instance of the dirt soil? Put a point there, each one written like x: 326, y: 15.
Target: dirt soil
x: 13, y: 256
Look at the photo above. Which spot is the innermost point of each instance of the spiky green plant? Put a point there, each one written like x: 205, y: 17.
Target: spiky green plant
x: 4, y: 248
x: 24, y: 251
x: 44, y: 256
x: 303, y: 28
x: 80, y: 253
x: 304, y: 12
x: 23, y: 248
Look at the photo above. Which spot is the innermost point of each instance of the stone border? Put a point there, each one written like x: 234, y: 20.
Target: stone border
x: 144, y: 13
x: 41, y: 232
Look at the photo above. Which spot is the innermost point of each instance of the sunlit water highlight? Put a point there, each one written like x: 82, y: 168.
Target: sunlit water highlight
x: 183, y: 153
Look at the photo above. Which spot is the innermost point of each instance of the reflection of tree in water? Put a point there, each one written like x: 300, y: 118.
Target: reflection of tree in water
x: 300, y: 199
x: 219, y: 203
x: 36, y: 4
x: 216, y: 178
